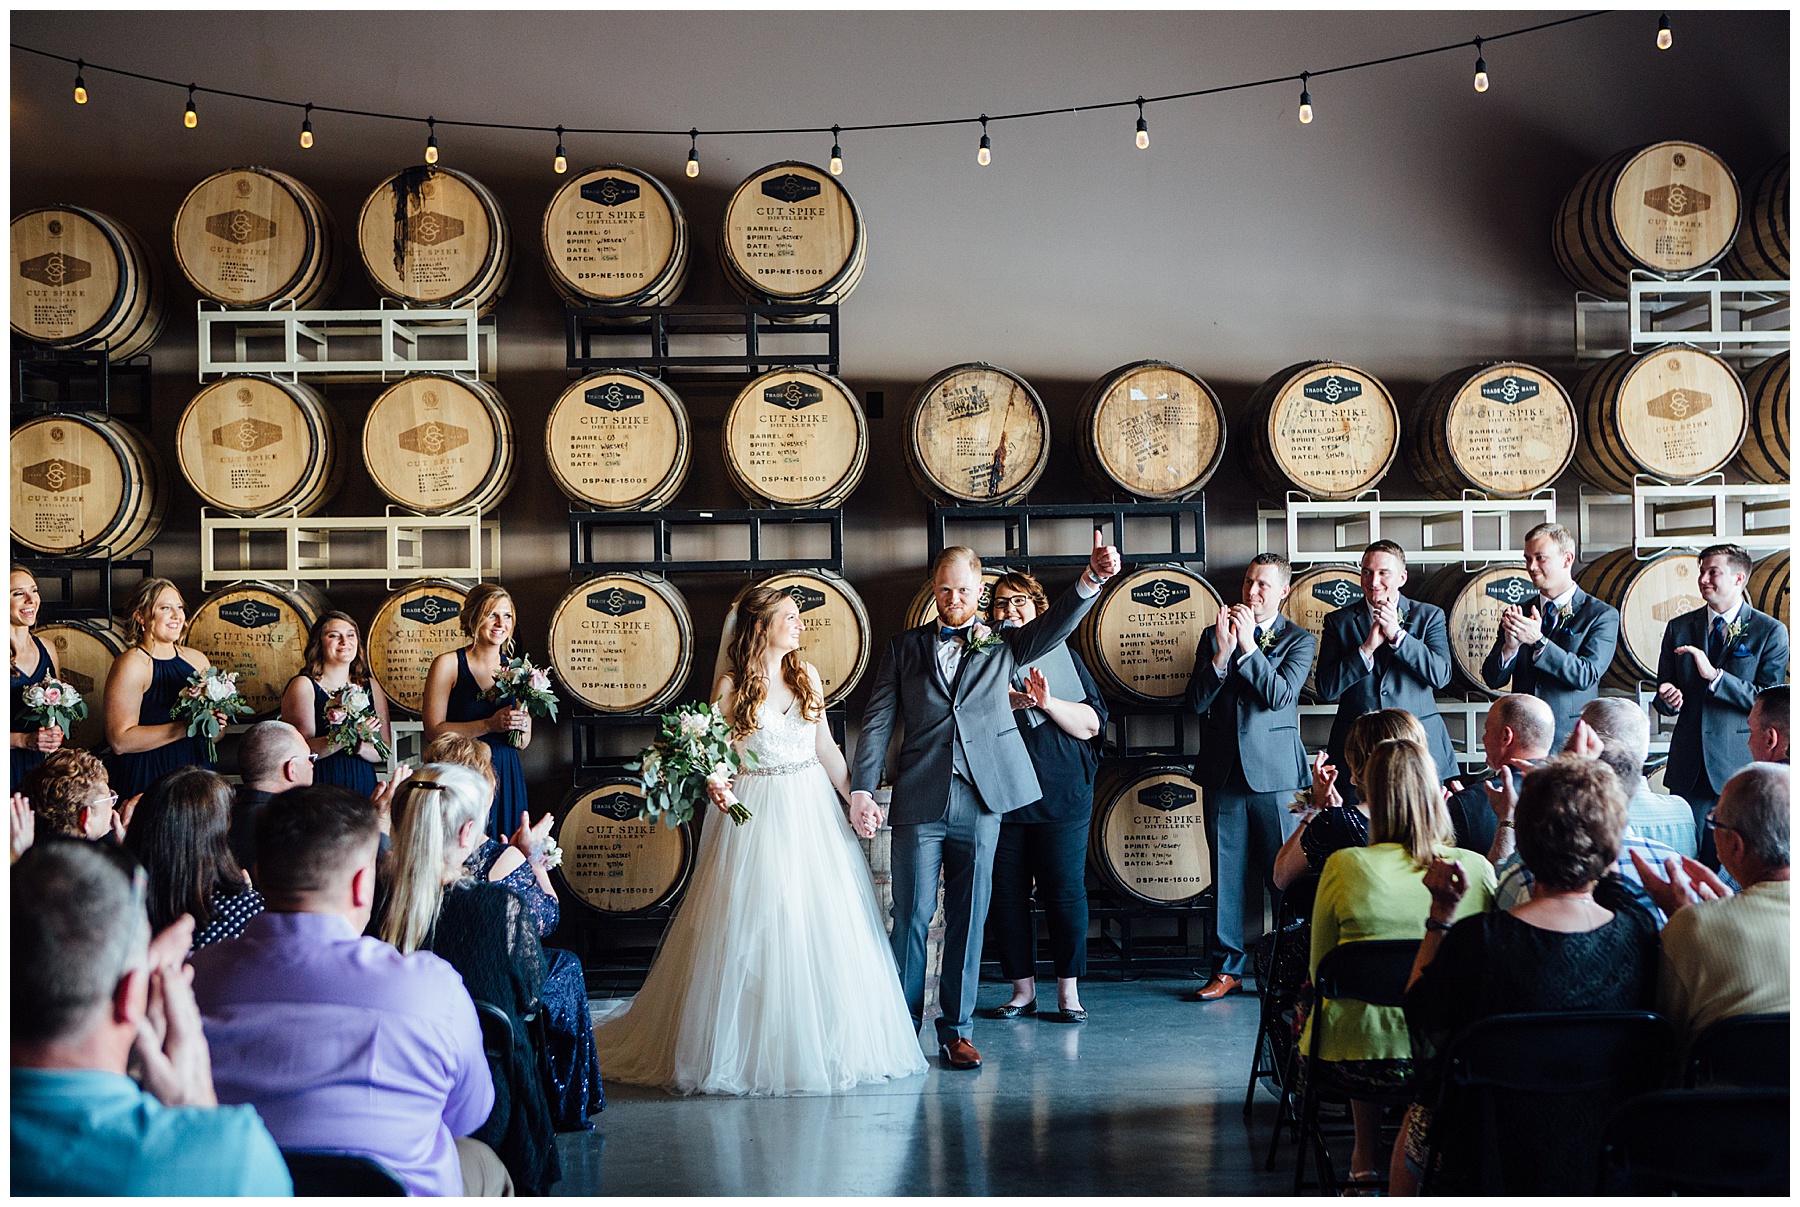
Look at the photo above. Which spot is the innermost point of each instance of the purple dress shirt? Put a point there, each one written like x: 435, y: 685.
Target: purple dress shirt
x: 343, y: 1044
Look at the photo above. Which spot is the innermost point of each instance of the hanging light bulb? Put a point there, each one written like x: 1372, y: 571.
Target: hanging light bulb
x: 80, y: 84
x: 306, y: 138
x: 1143, y: 128
x: 431, y: 151
x: 190, y: 119
x: 1481, y: 80
x: 561, y: 162
x: 837, y: 154
x: 693, y: 163
x: 1305, y: 100
x: 984, y: 154
x: 1664, y: 39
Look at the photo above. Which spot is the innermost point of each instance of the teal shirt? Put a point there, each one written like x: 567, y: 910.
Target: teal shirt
x: 82, y: 1131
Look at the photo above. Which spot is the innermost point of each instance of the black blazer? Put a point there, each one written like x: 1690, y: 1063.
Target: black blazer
x: 1711, y: 742
x: 1565, y: 674
x: 1405, y: 677
x: 1065, y: 765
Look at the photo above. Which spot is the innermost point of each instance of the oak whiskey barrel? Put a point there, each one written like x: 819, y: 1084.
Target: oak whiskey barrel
x: 1764, y: 457
x: 1148, y: 838
x: 1473, y: 601
x: 792, y: 233
x: 1321, y: 427
x: 1505, y: 430
x: 976, y: 433
x: 614, y: 863
x: 1648, y: 594
x: 259, y: 446
x: 1151, y: 429
x: 619, y: 441
x: 923, y: 607
x: 622, y: 642
x: 1767, y: 589
x: 1761, y: 250
x: 1142, y: 634
x: 83, y: 280
x: 438, y: 444
x: 1670, y: 209
x: 85, y: 486
x: 432, y: 236
x: 1676, y: 413
x: 258, y: 630
x: 615, y: 236
x: 411, y: 627
x: 836, y: 637
x: 796, y: 438
x: 84, y: 655
x: 1314, y: 594
x: 253, y: 237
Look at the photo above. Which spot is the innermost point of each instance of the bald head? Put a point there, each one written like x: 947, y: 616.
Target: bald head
x: 1518, y: 727
x: 272, y: 756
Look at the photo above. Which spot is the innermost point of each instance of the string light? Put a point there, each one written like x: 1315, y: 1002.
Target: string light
x: 561, y: 162
x: 837, y: 154
x: 1143, y: 129
x: 306, y: 138
x: 1481, y: 80
x: 984, y: 154
x: 431, y: 152
x: 1305, y: 100
x: 1664, y: 38
x: 693, y: 163
x: 80, y: 84
x: 190, y: 119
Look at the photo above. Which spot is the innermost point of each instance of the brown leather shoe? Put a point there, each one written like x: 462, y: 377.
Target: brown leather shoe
x: 1221, y: 984
x: 959, y: 1054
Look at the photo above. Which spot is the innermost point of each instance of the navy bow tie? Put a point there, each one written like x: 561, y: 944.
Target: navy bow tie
x: 946, y: 633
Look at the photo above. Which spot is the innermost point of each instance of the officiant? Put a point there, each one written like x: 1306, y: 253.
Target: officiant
x: 1061, y: 714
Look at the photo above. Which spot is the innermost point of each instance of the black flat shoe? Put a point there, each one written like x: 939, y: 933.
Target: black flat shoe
x: 1077, y: 1015
x: 1011, y: 1012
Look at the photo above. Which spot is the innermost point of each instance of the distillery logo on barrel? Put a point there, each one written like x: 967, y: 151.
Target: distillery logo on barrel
x: 609, y: 190
x: 963, y: 402
x: 616, y: 602
x: 1509, y: 389
x: 1339, y: 592
x: 56, y: 475
x: 246, y: 435
x: 1514, y: 591
x: 55, y: 268
x: 806, y: 597
x: 1332, y: 389
x: 1679, y: 404
x: 1677, y: 200
x: 1161, y: 593
x: 620, y: 806
x: 790, y: 188
x: 613, y: 396
x: 248, y: 614
x: 1167, y: 796
x: 433, y: 439
x: 427, y: 228
x: 794, y: 396
x: 430, y: 609
x: 239, y: 226
x: 1663, y: 611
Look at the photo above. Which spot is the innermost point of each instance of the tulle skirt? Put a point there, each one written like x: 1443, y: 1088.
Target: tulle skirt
x: 775, y: 975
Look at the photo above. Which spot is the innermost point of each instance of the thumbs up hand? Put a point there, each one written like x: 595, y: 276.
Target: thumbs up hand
x: 1104, y: 562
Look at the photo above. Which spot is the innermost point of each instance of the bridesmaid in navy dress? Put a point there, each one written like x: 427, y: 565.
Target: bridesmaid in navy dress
x: 142, y: 687
x: 31, y: 662
x: 453, y: 698
x: 334, y: 658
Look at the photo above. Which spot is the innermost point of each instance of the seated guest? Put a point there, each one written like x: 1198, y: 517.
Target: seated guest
x: 488, y: 935
x: 71, y: 797
x: 179, y: 834
x: 272, y: 757
x: 1727, y: 953
x: 1328, y: 824
x: 85, y: 974
x: 1516, y: 734
x: 1578, y: 943
x: 402, y: 1079
x: 574, y: 1064
x: 1769, y: 725
x: 1378, y: 892
x: 1666, y: 819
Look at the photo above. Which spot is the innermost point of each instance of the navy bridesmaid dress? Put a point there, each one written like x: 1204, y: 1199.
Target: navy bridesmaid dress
x: 24, y: 760
x: 132, y: 773
x: 342, y: 767
x: 466, y: 704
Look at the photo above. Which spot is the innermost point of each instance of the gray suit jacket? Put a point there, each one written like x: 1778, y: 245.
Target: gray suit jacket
x: 910, y: 690
x: 1405, y: 677
x: 1711, y: 742
x: 1253, y: 713
x: 1565, y: 674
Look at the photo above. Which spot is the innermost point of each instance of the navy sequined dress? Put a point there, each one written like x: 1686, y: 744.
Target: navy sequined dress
x: 575, y: 1091
x: 132, y: 773
x: 466, y: 704
x: 345, y: 768
x: 24, y: 760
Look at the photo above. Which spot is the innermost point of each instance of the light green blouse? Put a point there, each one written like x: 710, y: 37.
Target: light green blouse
x: 1377, y: 893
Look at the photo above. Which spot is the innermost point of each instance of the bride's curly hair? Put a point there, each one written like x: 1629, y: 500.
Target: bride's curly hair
x: 749, y: 646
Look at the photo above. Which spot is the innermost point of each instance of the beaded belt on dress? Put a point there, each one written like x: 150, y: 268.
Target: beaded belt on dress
x: 781, y: 768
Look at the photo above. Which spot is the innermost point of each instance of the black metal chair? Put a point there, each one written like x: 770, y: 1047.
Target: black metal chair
x: 1373, y: 971
x: 496, y: 1030
x: 1272, y: 1057
x: 1692, y: 1142
x: 1522, y: 1097
x: 1749, y: 1050
x: 319, y: 1175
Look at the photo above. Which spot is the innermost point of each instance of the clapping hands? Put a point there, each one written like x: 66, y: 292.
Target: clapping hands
x: 1324, y: 783
x: 1688, y: 881
x: 173, y: 1061
x: 1036, y: 693
x: 1447, y: 883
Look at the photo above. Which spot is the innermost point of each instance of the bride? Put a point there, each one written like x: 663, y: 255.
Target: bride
x: 775, y: 975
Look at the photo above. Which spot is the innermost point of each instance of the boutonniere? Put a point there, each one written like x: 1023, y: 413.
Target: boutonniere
x: 1733, y: 632
x: 1401, y: 612
x: 1267, y: 641
x: 1561, y: 613
x: 982, y: 639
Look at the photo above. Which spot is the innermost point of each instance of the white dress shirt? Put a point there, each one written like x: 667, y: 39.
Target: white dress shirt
x: 1730, y: 618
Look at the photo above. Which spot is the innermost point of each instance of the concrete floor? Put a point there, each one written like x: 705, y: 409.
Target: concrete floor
x: 1143, y: 1099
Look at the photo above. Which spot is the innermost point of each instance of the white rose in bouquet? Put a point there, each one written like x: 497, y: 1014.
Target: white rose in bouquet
x: 221, y: 687
x: 540, y: 681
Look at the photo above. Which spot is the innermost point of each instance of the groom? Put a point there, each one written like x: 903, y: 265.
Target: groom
x: 962, y: 764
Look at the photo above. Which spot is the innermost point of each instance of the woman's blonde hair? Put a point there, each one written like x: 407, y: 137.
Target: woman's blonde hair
x: 749, y: 647
x: 1373, y: 728
x: 464, y: 751
x: 138, y: 606
x: 1406, y: 802
x: 429, y: 810
x: 482, y: 599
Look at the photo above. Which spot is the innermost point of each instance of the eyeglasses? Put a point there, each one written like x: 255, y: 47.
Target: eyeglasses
x: 1009, y: 603
x: 110, y: 800
x: 1713, y: 823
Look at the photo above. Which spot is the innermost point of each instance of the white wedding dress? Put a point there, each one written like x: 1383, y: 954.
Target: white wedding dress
x: 775, y: 975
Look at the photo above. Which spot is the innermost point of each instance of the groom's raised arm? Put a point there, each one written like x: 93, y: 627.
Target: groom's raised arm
x: 1032, y: 641
x: 877, y: 723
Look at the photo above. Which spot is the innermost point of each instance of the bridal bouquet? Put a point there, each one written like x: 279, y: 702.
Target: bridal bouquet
x: 352, y: 720
x: 52, y: 704
x: 693, y: 751
x: 209, y: 694
x: 525, y: 686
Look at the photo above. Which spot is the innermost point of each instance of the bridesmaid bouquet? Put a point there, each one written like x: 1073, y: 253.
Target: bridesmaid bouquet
x: 693, y: 751
x: 52, y: 704
x: 350, y: 712
x: 525, y: 686
x: 209, y: 695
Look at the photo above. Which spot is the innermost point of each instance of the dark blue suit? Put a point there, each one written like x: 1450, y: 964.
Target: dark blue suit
x: 1565, y: 671
x: 1407, y: 676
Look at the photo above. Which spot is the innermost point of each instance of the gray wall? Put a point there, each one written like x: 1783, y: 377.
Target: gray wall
x: 1405, y: 230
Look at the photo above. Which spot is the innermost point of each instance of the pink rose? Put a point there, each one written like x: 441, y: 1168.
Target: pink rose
x: 335, y: 715
x: 53, y: 695
x: 980, y: 632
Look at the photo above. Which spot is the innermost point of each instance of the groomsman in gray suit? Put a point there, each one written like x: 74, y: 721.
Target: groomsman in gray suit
x: 1246, y: 683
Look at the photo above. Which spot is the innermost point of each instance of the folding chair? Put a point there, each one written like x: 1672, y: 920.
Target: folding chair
x: 1697, y: 1142
x: 1292, y: 908
x: 1749, y: 1050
